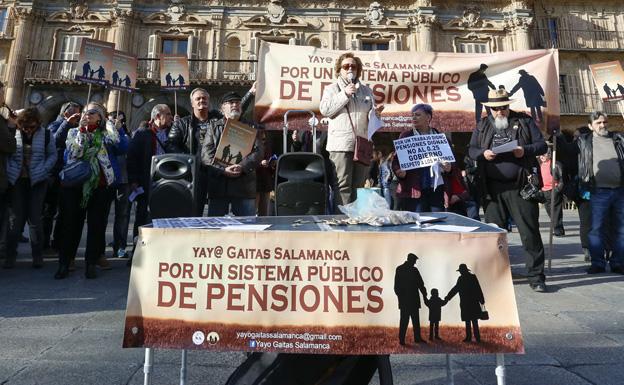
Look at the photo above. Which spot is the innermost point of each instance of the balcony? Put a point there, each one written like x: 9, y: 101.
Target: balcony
x: 201, y: 71
x: 569, y: 39
x: 584, y: 103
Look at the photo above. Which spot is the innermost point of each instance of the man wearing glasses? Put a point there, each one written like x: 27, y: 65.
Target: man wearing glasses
x: 503, y: 174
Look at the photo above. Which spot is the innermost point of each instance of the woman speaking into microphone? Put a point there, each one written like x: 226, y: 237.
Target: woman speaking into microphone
x: 347, y: 103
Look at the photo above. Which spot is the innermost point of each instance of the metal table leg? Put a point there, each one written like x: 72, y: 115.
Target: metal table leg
x: 147, y: 367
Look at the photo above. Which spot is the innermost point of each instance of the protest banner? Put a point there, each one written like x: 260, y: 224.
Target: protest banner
x: 95, y: 62
x: 454, y: 84
x: 236, y: 142
x: 423, y: 150
x: 314, y: 291
x: 609, y: 79
x: 174, y: 72
x: 124, y: 71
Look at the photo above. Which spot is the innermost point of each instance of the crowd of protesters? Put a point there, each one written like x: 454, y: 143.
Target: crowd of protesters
x: 507, y: 187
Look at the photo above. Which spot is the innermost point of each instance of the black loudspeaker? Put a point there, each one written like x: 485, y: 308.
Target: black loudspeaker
x: 173, y: 186
x: 300, y: 184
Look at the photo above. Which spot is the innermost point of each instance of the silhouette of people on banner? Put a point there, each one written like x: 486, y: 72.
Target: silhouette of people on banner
x: 407, y: 283
x: 238, y: 158
x: 127, y: 81
x: 226, y: 153
x: 86, y: 69
x: 621, y: 89
x: 101, y: 73
x: 480, y: 85
x: 434, y: 303
x: 607, y: 90
x: 180, y: 80
x: 115, y: 77
x: 533, y: 94
x: 470, y: 301
x: 168, y: 79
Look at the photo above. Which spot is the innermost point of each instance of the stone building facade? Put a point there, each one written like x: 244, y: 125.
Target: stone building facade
x: 40, y: 40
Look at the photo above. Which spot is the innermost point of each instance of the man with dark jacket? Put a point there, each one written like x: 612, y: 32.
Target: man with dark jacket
x: 601, y: 179
x: 407, y: 283
x: 504, y: 174
x: 146, y: 142
x: 235, y: 184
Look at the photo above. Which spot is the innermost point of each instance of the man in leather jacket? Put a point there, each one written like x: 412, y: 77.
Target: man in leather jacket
x: 504, y: 174
x: 187, y: 135
x: 234, y: 184
x: 601, y: 179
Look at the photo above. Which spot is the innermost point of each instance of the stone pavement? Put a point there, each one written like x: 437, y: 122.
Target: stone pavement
x: 70, y: 331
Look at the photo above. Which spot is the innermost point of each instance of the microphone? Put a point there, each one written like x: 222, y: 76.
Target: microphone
x: 353, y: 80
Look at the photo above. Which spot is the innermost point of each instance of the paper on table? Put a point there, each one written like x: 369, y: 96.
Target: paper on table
x: 246, y: 227
x: 450, y: 228
x: 507, y: 147
x: 135, y: 193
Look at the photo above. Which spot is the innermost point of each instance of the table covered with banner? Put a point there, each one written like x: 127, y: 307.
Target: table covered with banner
x: 303, y: 285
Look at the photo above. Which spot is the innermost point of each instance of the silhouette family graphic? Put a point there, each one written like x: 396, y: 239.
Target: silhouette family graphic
x: 408, y: 283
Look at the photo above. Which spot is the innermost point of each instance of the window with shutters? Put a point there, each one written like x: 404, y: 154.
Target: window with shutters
x: 375, y: 46
x: 473, y: 47
x: 69, y: 49
x: 174, y: 46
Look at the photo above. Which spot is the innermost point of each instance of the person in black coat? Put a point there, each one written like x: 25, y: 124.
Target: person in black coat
x: 434, y: 304
x: 470, y: 301
x: 147, y: 142
x: 407, y: 283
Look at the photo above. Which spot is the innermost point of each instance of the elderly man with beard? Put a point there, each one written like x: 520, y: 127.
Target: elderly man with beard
x: 233, y: 185
x: 504, y: 174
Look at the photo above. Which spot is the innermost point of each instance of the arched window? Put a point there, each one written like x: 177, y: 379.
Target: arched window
x: 232, y: 52
x: 315, y: 42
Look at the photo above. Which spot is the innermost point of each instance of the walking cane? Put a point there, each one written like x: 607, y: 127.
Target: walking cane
x: 553, y: 162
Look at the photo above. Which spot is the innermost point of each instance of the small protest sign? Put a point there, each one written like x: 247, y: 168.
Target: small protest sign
x: 174, y: 72
x: 422, y: 151
x: 124, y: 71
x: 609, y: 79
x: 95, y: 61
x: 236, y: 142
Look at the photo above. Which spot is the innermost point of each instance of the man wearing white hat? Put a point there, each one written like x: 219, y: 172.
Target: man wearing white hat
x: 504, y: 174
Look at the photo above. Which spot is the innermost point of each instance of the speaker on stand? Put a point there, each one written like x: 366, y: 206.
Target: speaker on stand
x: 174, y: 178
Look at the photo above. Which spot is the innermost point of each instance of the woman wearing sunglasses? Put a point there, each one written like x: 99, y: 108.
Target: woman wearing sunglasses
x: 95, y: 140
x: 347, y: 104
x: 28, y: 169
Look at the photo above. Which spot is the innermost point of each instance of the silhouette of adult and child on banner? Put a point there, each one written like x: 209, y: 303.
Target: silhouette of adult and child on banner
x: 171, y: 82
x: 117, y: 80
x: 480, y: 85
x: 408, y: 282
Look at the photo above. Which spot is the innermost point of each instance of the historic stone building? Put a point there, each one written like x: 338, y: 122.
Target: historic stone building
x: 40, y: 40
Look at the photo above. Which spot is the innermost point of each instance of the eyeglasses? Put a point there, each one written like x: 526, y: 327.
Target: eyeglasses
x: 349, y: 65
x: 91, y: 112
x: 501, y: 108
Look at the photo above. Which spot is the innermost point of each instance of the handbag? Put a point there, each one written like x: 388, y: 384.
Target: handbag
x: 484, y: 315
x: 75, y: 173
x: 363, y: 152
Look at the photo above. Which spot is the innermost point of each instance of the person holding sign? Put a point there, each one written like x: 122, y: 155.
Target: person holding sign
x: 420, y: 189
x: 505, y: 147
x: 234, y: 184
x: 347, y: 103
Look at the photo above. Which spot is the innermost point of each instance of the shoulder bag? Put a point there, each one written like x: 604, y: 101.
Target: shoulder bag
x: 363, y: 152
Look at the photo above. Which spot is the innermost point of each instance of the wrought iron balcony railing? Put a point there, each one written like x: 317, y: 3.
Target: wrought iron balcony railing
x: 200, y: 70
x: 584, y: 103
x: 578, y: 39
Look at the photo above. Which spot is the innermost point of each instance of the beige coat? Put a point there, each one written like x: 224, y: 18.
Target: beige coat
x: 333, y: 105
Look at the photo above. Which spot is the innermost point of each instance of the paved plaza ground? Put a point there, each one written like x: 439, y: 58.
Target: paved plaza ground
x: 70, y: 331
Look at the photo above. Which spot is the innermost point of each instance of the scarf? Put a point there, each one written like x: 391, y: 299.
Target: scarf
x: 96, y: 154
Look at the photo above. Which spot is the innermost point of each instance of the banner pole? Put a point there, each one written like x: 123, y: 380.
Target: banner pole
x: 117, y: 104
x: 449, y: 371
x: 183, y: 368
x: 88, y: 94
x: 553, y: 163
x: 500, y: 369
x: 147, y: 367
x: 175, y: 103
